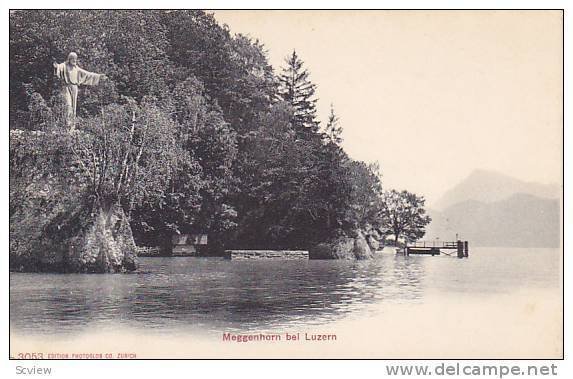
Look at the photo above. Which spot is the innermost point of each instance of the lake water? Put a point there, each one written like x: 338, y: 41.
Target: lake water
x: 171, y: 295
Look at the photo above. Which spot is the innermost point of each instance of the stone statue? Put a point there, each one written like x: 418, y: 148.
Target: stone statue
x: 71, y: 75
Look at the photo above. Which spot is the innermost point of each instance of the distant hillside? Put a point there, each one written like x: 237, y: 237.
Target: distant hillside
x: 521, y: 220
x: 488, y: 186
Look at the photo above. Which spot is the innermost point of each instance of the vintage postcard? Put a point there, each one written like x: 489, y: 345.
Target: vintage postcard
x: 286, y: 184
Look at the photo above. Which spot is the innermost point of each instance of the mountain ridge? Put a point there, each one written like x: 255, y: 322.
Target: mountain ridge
x: 503, y: 217
x: 490, y: 186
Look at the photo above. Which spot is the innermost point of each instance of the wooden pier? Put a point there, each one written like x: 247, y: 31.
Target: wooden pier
x: 435, y: 248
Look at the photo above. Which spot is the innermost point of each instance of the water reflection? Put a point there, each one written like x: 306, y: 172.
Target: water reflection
x: 214, y: 294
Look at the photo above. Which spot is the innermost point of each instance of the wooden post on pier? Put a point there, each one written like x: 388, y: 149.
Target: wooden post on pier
x: 460, y: 246
x: 466, y: 249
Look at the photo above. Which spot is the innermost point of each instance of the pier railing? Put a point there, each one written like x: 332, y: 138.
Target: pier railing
x: 438, y: 244
x: 436, y: 247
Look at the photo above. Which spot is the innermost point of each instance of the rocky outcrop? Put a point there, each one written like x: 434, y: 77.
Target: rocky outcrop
x: 362, y: 249
x: 346, y: 247
x: 106, y: 246
x: 374, y: 239
x: 97, y: 241
x: 56, y: 223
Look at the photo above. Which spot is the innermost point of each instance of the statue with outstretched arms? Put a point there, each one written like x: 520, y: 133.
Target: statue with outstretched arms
x: 71, y: 76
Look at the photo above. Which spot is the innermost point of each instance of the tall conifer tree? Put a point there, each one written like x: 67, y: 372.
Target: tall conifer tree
x: 299, y: 92
x: 333, y: 129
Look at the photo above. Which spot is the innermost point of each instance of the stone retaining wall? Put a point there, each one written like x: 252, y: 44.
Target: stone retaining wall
x: 266, y: 254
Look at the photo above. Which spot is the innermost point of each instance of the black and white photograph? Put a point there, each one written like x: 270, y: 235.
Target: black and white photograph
x: 286, y: 184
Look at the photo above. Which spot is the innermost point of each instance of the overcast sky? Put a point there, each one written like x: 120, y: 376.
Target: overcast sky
x: 430, y: 95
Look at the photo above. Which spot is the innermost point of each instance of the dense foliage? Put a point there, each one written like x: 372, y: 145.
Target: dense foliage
x: 403, y: 215
x: 193, y: 131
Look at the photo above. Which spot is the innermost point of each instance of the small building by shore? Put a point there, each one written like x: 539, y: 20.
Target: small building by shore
x: 187, y: 245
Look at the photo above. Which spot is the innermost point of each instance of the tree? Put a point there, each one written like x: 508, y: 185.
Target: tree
x: 333, y: 129
x: 365, y: 202
x: 197, y: 197
x: 296, y: 89
x: 403, y: 215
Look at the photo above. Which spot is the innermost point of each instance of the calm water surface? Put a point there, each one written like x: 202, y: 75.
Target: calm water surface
x: 213, y: 294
